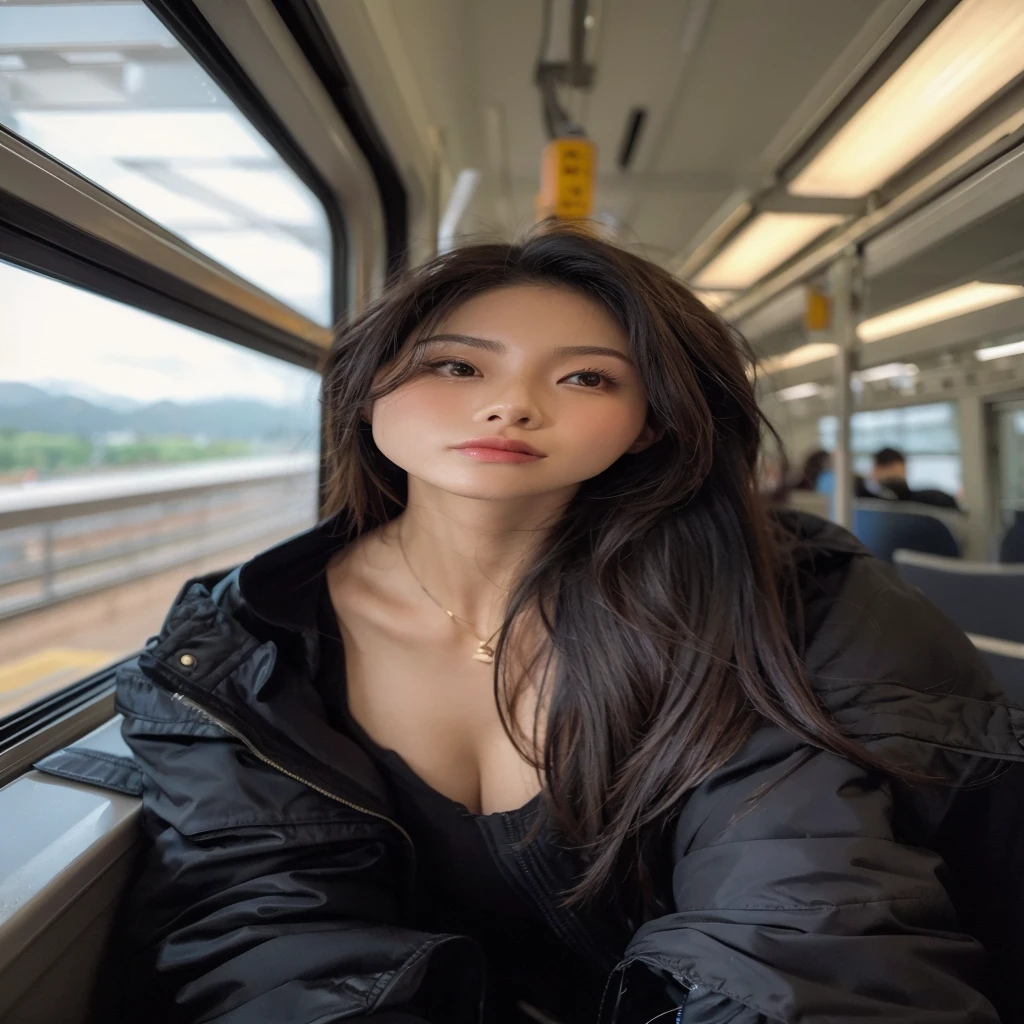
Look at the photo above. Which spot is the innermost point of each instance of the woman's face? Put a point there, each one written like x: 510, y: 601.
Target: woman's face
x: 502, y: 365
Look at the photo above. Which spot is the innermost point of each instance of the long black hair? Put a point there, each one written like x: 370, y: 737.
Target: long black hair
x: 663, y: 587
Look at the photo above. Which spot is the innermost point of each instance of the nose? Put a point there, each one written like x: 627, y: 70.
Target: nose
x: 514, y: 404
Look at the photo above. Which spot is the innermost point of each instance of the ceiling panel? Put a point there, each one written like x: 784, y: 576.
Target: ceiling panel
x: 754, y: 64
x: 438, y: 41
x: 722, y: 81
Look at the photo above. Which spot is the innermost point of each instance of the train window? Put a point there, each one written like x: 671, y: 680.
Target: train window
x: 1010, y: 434
x: 928, y: 435
x: 134, y: 453
x: 106, y: 89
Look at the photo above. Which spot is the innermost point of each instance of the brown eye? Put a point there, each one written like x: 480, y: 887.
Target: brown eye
x: 595, y: 379
x: 454, y: 363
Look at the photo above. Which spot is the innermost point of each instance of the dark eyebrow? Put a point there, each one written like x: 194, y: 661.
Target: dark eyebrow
x: 491, y: 345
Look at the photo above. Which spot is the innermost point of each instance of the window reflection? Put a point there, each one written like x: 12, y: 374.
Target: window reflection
x: 107, y: 89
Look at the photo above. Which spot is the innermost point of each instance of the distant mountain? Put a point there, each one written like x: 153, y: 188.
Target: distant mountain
x: 60, y: 414
x: 25, y: 407
x: 119, y: 403
x: 14, y: 394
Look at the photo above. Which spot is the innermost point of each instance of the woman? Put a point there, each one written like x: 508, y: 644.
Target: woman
x: 549, y: 718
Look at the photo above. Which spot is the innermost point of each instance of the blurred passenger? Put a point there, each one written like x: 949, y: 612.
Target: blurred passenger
x: 817, y: 475
x: 890, y: 472
x: 817, y: 463
x: 704, y: 768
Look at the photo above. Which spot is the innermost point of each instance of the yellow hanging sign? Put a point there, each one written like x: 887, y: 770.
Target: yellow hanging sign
x: 567, y: 172
x: 817, y: 310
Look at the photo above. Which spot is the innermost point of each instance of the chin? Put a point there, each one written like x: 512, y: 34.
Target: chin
x: 483, y: 490
x: 480, y: 482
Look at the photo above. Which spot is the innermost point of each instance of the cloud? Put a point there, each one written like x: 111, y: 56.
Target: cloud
x: 51, y: 330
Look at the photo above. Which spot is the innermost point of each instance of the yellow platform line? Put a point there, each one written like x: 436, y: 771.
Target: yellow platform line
x: 16, y: 675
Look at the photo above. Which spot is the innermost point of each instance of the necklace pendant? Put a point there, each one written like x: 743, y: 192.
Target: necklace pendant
x: 484, y: 654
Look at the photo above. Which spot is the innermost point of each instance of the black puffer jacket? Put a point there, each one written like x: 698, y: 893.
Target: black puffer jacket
x: 274, y: 883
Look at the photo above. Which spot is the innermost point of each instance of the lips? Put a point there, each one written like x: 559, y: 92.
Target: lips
x: 501, y: 444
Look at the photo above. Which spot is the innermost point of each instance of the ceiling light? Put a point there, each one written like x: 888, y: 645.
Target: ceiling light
x: 888, y: 371
x: 797, y: 391
x: 11, y: 62
x: 714, y: 300
x: 968, y: 58
x: 768, y: 240
x: 936, y: 308
x: 799, y: 356
x: 1014, y: 348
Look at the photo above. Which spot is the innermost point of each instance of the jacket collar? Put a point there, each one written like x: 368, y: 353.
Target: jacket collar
x: 282, y: 584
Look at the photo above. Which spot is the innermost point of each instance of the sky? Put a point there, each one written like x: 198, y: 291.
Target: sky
x: 50, y: 330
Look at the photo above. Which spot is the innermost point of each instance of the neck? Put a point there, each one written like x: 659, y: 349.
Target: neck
x: 468, y: 553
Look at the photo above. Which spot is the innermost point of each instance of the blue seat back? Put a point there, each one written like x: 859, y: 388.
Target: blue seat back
x: 883, y: 531
x: 985, y: 600
x: 979, y: 597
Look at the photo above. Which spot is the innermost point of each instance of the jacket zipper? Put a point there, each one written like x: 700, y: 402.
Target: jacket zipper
x: 178, y: 696
x: 251, y: 747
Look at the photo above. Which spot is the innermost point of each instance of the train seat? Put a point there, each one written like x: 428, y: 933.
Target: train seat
x: 984, y: 600
x: 883, y: 528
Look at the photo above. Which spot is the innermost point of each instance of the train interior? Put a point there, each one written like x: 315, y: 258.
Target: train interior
x: 192, y: 193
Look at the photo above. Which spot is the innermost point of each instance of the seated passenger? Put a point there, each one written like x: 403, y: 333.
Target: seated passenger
x: 551, y: 718
x: 818, y: 475
x: 890, y: 473
x: 817, y: 463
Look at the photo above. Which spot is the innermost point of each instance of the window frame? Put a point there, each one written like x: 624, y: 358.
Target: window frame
x: 137, y: 263
x: 305, y: 22
x: 184, y: 21
x: 54, y: 721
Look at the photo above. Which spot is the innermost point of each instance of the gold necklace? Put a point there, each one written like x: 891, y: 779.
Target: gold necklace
x: 484, y: 651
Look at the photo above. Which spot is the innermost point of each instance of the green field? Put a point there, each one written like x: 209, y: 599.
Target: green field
x: 55, y: 453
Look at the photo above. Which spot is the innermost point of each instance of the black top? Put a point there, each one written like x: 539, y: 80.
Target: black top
x: 461, y: 888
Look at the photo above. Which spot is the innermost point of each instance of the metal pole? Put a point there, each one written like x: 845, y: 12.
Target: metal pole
x: 434, y: 190
x: 843, y: 280
x: 49, y: 567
